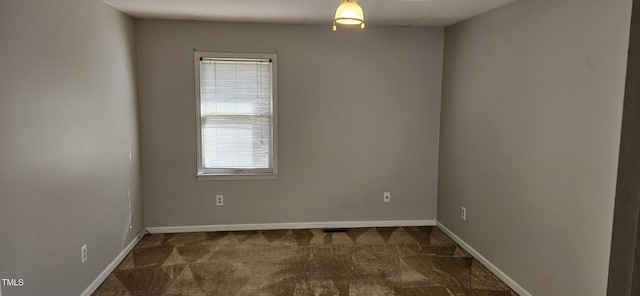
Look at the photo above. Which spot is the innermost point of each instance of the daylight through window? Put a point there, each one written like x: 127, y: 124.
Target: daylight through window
x: 236, y: 108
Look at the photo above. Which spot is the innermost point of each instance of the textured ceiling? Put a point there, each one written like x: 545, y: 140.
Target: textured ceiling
x: 316, y: 12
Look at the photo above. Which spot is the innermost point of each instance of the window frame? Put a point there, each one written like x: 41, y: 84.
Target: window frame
x: 237, y: 174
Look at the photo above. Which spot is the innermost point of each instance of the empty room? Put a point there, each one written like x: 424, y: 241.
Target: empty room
x: 319, y: 147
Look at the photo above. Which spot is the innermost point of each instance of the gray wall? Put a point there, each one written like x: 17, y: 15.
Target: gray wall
x: 67, y: 122
x: 530, y: 130
x: 624, y: 267
x: 358, y: 115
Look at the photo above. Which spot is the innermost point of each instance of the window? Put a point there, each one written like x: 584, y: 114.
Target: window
x: 236, y: 115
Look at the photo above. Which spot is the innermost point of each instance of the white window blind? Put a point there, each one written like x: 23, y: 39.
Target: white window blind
x: 236, y: 115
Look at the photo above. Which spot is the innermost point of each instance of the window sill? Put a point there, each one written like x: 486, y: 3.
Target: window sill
x: 208, y: 177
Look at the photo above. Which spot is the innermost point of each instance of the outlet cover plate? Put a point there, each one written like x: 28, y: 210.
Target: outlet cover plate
x: 219, y: 200
x: 83, y: 253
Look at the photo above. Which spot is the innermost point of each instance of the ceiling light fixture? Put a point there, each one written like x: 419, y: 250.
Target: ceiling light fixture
x: 349, y: 13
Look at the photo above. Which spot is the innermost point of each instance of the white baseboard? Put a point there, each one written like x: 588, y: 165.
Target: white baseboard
x: 505, y: 278
x: 105, y: 273
x: 300, y: 225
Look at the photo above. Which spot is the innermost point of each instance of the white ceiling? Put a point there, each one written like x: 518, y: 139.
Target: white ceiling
x: 316, y: 12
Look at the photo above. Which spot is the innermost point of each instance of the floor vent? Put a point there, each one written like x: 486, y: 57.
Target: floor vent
x: 334, y: 230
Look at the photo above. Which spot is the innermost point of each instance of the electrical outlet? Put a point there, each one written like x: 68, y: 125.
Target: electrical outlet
x: 130, y: 226
x: 219, y: 200
x: 83, y: 253
x: 464, y: 213
x: 386, y: 197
